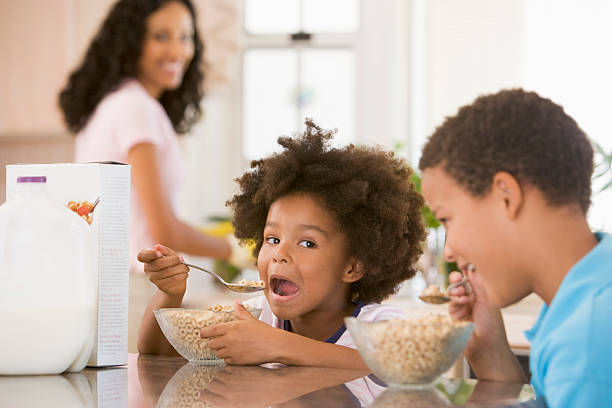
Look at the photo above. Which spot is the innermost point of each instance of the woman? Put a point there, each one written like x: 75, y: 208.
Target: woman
x: 139, y: 83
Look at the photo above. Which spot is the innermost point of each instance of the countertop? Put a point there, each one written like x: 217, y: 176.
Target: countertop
x: 155, y: 381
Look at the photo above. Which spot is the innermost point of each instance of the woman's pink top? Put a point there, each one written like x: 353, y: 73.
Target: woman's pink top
x: 123, y: 119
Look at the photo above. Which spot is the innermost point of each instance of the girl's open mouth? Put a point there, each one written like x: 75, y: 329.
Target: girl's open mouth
x: 283, y: 288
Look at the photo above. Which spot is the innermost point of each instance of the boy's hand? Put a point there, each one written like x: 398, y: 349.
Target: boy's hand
x: 487, y: 351
x: 246, y: 341
x: 470, y: 303
x: 164, y: 268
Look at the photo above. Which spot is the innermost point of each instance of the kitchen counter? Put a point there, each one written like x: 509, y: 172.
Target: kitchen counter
x: 155, y: 381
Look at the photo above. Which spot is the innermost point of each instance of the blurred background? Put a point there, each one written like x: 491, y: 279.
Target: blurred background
x: 380, y: 71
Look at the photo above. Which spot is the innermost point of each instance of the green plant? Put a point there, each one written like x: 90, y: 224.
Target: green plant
x: 399, y: 148
x: 428, y: 218
x: 604, y: 167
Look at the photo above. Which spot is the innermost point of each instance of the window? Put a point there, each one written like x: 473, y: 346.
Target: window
x: 299, y: 61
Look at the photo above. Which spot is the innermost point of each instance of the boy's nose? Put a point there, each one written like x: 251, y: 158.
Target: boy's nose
x: 448, y: 254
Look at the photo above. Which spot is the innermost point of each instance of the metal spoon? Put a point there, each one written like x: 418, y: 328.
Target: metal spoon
x: 231, y: 286
x: 440, y: 299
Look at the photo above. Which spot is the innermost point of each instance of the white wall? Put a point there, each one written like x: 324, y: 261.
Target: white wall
x: 471, y: 47
x: 568, y: 58
x: 558, y: 48
x: 382, y: 61
x: 213, y: 153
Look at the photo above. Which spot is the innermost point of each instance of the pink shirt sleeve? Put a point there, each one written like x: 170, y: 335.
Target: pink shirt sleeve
x: 138, y: 120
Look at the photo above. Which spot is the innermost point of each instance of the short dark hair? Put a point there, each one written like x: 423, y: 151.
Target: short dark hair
x: 113, y: 56
x: 518, y: 132
x: 368, y: 191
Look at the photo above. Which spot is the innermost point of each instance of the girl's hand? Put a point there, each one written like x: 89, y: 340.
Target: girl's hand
x: 246, y: 341
x: 164, y: 268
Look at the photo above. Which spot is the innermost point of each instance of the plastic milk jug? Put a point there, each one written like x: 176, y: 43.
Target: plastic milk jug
x: 47, y: 285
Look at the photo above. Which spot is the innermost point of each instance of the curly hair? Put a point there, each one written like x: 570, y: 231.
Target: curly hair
x: 113, y: 56
x: 518, y: 132
x: 368, y: 191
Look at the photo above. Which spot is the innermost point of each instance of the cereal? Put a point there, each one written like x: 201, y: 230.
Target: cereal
x: 413, y: 351
x: 182, y: 329
x: 252, y: 283
x: 433, y: 290
x: 224, y: 308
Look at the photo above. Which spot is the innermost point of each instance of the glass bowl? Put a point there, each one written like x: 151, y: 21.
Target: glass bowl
x: 182, y: 329
x: 408, y: 353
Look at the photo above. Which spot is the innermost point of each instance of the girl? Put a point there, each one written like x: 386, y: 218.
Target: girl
x: 335, y: 232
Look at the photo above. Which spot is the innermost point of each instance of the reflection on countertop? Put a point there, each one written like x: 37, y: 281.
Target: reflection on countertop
x: 88, y: 388
x: 155, y: 382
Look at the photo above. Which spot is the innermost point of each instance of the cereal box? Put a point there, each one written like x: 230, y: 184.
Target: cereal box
x: 107, y: 186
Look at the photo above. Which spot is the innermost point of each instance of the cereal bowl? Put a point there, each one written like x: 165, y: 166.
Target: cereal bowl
x: 182, y: 329
x: 405, y: 353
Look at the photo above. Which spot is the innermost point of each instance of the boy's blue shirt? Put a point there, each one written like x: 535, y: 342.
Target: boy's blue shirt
x: 571, y: 342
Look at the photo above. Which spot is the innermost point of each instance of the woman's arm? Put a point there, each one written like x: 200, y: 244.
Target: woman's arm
x: 164, y: 226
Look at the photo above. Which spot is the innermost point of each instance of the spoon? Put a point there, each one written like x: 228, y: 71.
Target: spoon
x: 95, y: 203
x: 231, y: 286
x: 438, y: 299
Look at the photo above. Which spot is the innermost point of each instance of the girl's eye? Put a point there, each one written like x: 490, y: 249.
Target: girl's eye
x: 272, y: 240
x: 160, y: 36
x: 443, y: 221
x: 307, y: 244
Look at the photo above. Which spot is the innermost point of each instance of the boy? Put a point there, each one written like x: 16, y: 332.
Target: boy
x: 509, y: 177
x: 336, y: 230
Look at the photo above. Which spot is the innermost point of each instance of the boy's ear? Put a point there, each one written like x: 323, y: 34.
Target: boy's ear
x: 507, y: 190
x: 353, y: 272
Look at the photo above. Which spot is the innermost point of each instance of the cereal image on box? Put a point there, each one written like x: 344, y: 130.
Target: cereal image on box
x: 83, y: 208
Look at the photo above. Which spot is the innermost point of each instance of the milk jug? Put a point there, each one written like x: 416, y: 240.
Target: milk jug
x: 47, y: 284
